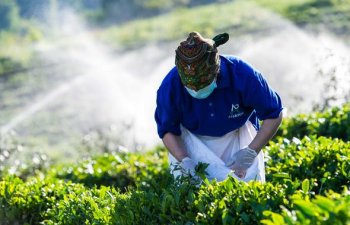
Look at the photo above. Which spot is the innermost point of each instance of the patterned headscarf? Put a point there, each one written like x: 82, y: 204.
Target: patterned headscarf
x: 197, y: 60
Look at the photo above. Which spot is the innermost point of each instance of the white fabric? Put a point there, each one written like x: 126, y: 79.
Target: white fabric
x: 217, y: 151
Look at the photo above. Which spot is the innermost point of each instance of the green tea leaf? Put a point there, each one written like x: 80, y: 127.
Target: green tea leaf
x: 306, y: 186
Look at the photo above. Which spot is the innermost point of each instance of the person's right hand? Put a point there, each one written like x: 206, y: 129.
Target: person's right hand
x: 188, y: 166
x: 243, y: 159
x: 239, y: 172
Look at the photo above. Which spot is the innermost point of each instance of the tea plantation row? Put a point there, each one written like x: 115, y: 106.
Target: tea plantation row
x: 308, y: 182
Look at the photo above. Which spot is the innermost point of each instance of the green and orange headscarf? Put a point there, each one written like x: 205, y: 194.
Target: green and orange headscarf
x: 197, y: 60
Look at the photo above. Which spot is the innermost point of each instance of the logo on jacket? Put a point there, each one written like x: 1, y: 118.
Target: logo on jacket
x: 235, y: 112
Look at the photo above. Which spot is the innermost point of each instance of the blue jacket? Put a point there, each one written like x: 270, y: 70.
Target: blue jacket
x: 242, y: 94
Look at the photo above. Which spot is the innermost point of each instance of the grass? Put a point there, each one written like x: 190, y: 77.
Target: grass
x: 235, y: 17
x: 334, y: 14
x: 16, y: 47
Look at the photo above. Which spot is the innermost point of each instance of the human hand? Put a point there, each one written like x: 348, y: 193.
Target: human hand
x: 242, y: 160
x: 188, y: 166
x: 240, y: 173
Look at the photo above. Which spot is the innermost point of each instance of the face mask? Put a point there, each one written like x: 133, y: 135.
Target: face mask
x: 204, y: 92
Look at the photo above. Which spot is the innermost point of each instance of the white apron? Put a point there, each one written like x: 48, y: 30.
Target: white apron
x: 216, y: 151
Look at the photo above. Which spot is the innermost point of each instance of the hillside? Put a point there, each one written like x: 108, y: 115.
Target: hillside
x: 235, y: 17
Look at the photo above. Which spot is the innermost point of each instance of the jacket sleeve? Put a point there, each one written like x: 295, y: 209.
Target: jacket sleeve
x: 167, y: 115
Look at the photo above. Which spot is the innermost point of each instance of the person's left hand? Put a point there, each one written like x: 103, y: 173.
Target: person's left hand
x: 242, y: 160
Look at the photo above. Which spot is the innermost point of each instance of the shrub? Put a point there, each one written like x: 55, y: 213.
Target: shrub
x: 28, y: 202
x: 330, y: 210
x: 93, y: 206
x: 227, y: 202
x: 296, y: 169
x: 152, y: 195
x: 322, y: 159
x: 334, y: 122
x: 121, y: 170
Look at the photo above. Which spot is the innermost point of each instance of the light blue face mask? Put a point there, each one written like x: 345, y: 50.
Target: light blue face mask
x: 204, y: 92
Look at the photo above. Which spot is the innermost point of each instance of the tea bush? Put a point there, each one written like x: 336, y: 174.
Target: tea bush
x: 334, y: 122
x: 27, y: 202
x: 94, y: 206
x: 121, y: 170
x: 227, y: 202
x: 331, y: 210
x: 8, y: 147
x: 308, y: 182
x: 11, y: 164
x: 8, y: 64
x: 325, y: 160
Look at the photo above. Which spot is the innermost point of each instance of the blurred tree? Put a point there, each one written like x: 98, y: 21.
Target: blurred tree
x: 110, y: 11
x: 163, y: 4
x: 119, y: 10
x: 32, y: 8
x: 124, y: 10
x: 201, y: 2
x: 91, y: 4
x: 41, y: 9
x: 9, y: 17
